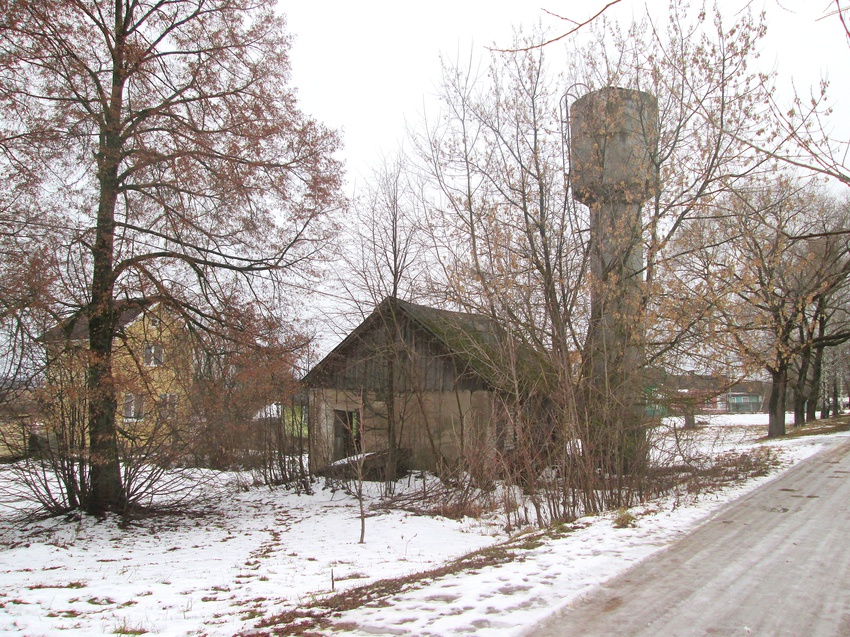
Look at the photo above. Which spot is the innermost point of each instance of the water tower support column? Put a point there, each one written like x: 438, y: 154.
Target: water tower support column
x: 614, y: 134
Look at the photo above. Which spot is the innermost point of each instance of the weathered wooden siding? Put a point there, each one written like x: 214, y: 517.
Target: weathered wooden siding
x: 437, y: 427
x: 419, y: 362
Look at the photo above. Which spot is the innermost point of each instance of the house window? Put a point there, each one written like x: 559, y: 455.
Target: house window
x: 153, y: 354
x: 134, y: 406
x: 347, y: 433
x: 167, y: 407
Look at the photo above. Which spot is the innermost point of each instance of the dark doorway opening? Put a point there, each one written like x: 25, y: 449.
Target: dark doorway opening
x: 347, y: 433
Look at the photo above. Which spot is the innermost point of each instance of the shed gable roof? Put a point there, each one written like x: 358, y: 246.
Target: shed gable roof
x: 473, y: 340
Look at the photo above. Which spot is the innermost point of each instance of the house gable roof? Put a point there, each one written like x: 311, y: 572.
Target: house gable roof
x: 76, y: 326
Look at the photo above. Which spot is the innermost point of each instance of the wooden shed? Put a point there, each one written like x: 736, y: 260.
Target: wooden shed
x: 413, y: 381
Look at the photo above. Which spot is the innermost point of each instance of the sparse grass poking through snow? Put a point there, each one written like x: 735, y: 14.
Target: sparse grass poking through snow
x: 708, y: 465
x: 35, y: 587
x: 817, y: 427
x: 126, y: 628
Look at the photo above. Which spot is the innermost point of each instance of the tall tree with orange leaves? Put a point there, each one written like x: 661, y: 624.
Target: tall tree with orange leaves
x: 164, y: 139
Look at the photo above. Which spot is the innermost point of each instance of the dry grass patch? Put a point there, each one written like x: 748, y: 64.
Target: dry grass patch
x: 624, y: 519
x: 35, y: 587
x: 124, y: 628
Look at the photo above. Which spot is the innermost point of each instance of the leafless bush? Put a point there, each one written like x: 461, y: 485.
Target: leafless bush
x: 280, y: 445
x: 54, y: 473
x: 54, y: 456
x: 692, y: 461
x: 456, y: 495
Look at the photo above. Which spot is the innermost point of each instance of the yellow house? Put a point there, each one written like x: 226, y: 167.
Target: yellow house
x: 152, y: 363
x: 17, y: 413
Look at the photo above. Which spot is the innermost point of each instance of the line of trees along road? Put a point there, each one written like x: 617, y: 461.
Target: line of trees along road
x: 156, y: 148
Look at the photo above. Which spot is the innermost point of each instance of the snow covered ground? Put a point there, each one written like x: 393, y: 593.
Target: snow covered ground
x: 230, y: 567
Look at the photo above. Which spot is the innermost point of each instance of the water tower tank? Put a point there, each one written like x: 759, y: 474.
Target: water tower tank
x: 614, y: 133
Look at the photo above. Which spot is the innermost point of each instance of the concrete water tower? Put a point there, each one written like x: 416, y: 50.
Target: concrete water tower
x: 613, y: 139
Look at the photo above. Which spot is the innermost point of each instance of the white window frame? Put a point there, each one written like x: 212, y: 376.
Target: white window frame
x: 154, y: 354
x: 134, y: 406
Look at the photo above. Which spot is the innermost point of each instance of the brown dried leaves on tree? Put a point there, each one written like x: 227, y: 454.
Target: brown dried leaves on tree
x: 165, y: 142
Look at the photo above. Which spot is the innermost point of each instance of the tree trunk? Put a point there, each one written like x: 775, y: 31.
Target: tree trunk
x: 817, y: 373
x: 392, y: 444
x: 392, y: 359
x: 825, y: 408
x: 802, y: 389
x: 836, y: 405
x: 107, y: 490
x: 815, y: 390
x: 776, y: 403
x: 800, y: 408
x: 690, y: 416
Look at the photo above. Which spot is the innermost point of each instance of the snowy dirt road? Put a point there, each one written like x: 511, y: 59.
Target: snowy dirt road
x: 776, y: 562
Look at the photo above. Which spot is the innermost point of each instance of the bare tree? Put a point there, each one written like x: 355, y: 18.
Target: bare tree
x: 383, y: 256
x: 770, y: 288
x: 574, y: 26
x: 27, y: 275
x: 168, y: 136
x: 383, y: 249
x: 842, y: 11
x: 801, y: 134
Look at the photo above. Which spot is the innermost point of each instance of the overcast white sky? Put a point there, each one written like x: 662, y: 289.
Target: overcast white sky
x: 368, y: 66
